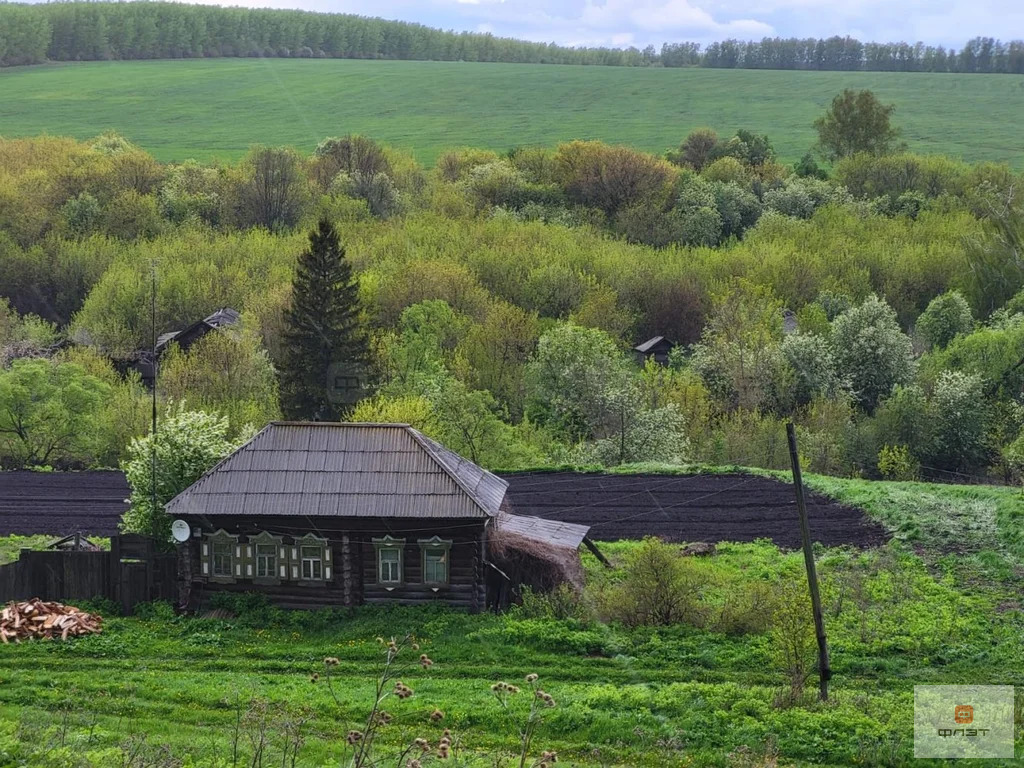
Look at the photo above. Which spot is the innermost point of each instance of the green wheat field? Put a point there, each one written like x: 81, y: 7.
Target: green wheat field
x: 217, y: 108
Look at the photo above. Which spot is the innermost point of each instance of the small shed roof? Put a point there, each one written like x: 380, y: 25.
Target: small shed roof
x: 343, y: 470
x: 651, y: 343
x: 552, y: 532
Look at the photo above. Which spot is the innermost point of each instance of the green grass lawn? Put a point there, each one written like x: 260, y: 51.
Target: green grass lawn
x: 675, y: 695
x: 217, y: 108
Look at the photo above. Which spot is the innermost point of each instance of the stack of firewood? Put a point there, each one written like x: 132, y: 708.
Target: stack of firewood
x: 36, y: 618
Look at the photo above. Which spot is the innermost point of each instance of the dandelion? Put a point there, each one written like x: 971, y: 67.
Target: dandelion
x: 436, y: 716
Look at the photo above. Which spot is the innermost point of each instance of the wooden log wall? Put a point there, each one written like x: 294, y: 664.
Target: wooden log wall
x: 354, y: 579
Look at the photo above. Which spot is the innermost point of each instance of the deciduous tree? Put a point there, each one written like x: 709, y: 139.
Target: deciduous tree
x: 856, y: 122
x: 187, y: 444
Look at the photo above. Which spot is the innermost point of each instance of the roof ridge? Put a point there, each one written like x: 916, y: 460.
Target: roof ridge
x: 338, y: 424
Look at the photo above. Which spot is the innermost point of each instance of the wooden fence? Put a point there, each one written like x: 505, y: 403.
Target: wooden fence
x: 132, y: 572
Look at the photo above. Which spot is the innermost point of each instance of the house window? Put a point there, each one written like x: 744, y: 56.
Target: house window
x: 266, y: 561
x: 436, y: 557
x: 435, y: 566
x: 389, y: 560
x: 311, y: 559
x: 221, y: 557
x: 266, y: 558
x: 390, y: 566
x: 312, y: 563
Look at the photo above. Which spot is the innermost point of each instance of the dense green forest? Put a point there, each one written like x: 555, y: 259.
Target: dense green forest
x: 88, y: 31
x: 878, y: 305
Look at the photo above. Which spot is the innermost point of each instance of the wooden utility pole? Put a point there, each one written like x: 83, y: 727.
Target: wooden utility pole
x: 824, y: 669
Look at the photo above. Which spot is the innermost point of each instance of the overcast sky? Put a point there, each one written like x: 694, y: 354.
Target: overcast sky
x: 639, y: 22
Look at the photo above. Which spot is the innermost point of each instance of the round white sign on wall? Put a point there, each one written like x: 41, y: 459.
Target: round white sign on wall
x: 181, y: 530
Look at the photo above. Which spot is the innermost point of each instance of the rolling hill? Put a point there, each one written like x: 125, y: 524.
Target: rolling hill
x: 219, y: 107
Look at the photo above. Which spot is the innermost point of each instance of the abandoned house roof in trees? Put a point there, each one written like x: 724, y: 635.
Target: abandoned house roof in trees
x: 225, y: 317
x: 653, y: 343
x: 343, y: 470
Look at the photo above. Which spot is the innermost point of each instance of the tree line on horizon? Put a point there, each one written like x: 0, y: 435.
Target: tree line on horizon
x: 102, y: 31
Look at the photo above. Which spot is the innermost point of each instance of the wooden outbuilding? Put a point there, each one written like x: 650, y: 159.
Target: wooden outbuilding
x: 657, y: 348
x: 342, y: 514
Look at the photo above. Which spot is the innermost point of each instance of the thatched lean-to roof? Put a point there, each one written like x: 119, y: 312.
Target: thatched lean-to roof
x: 537, y: 553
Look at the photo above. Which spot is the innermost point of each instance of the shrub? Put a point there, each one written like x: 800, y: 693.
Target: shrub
x: 793, y: 642
x: 611, y: 178
x: 814, y: 367
x: 961, y: 433
x: 563, y: 602
x: 658, y: 587
x: 348, y: 154
x: 872, y: 351
x: 747, y: 608
x: 895, y: 462
x: 738, y: 208
x: 379, y: 192
x: 727, y: 169
x: 946, y: 317
x: 697, y: 150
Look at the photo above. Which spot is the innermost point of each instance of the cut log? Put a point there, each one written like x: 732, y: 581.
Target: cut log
x: 39, y: 619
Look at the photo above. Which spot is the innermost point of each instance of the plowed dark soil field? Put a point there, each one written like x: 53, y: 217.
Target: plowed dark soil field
x: 61, y: 503
x: 688, y: 508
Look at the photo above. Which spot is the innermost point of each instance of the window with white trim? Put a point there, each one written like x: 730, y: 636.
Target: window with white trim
x: 265, y: 558
x: 311, y: 559
x: 266, y: 561
x: 312, y: 562
x: 389, y: 560
x: 436, y: 557
x: 221, y: 557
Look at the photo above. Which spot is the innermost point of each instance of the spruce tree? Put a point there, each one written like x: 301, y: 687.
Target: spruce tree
x: 325, y: 345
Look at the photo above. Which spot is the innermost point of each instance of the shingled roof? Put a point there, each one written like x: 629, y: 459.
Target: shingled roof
x: 343, y: 470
